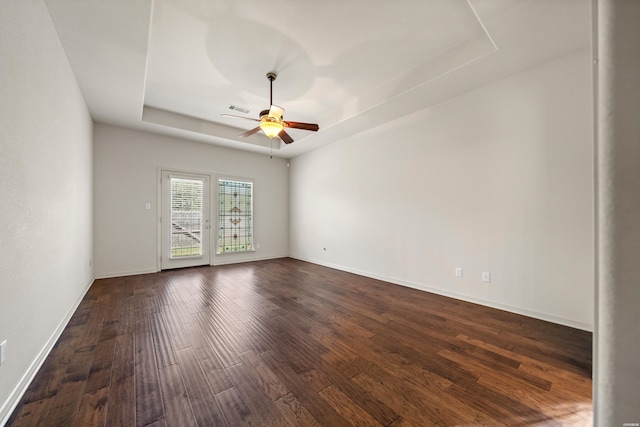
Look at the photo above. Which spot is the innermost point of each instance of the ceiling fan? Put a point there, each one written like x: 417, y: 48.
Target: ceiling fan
x: 271, y: 120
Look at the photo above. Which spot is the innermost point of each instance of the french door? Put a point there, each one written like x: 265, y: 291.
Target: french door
x: 185, y: 220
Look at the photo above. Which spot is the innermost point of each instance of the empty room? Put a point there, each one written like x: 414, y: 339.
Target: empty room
x: 417, y: 213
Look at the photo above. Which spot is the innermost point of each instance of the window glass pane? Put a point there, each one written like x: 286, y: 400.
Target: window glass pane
x: 235, y: 220
x: 186, y: 217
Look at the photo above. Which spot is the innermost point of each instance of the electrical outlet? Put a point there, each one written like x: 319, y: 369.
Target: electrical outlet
x: 486, y: 277
x: 3, y: 351
x: 458, y: 272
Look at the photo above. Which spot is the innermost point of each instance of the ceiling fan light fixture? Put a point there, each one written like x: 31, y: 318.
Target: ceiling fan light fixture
x: 271, y: 126
x: 271, y: 123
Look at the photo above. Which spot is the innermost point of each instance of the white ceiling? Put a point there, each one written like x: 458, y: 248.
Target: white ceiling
x: 174, y: 66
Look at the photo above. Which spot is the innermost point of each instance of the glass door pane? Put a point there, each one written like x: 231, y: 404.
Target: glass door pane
x: 186, y: 217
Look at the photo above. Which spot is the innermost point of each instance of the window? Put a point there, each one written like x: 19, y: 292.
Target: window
x: 186, y: 217
x: 235, y: 216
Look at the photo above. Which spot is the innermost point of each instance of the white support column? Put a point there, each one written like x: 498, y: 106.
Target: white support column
x: 617, y: 332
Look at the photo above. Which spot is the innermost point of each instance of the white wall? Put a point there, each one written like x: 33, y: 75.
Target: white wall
x: 126, y: 164
x: 499, y: 180
x: 616, y: 395
x: 45, y: 187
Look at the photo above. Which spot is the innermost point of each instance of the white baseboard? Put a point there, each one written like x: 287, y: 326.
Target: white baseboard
x: 518, y: 310
x: 12, y: 401
x: 125, y: 273
x: 218, y: 261
x: 239, y: 261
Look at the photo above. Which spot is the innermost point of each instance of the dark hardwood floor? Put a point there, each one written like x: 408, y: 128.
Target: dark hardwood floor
x: 286, y: 343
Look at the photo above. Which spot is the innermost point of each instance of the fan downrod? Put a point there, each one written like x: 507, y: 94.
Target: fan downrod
x: 271, y: 76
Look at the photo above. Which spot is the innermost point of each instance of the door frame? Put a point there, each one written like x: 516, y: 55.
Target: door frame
x: 159, y: 171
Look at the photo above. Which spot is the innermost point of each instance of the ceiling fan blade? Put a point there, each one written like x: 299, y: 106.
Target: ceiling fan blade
x: 276, y: 111
x: 306, y: 126
x: 284, y: 136
x: 239, y: 117
x: 249, y: 132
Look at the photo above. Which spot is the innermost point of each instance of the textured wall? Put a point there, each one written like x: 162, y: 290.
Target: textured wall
x: 617, y: 379
x: 45, y: 188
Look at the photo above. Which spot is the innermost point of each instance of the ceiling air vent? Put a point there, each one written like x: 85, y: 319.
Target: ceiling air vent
x: 240, y: 109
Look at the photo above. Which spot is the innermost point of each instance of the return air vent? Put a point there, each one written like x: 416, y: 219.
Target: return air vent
x: 240, y: 109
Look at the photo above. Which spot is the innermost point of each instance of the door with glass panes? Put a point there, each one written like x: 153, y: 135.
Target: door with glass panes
x: 185, y: 220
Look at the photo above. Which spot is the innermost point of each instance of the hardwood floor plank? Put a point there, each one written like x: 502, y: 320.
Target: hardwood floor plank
x: 93, y: 408
x: 302, y: 353
x: 218, y: 341
x: 31, y: 413
x: 347, y: 407
x: 199, y: 343
x: 178, y: 410
x: 574, y: 386
x: 266, y: 380
x: 428, y: 392
x: 301, y: 390
x: 48, y: 379
x: 147, y: 385
x: 294, y: 412
x: 279, y: 422
x: 121, y: 410
x: 161, y: 283
x: 65, y: 404
x: 181, y: 306
x: 245, y: 339
x: 247, y: 384
x: 101, y: 366
x: 203, y: 401
x: 177, y: 334
x: 158, y: 423
x: 501, y: 407
x: 376, y: 407
x: 258, y: 335
x: 235, y: 409
x: 141, y: 322
x: 216, y: 375
x: 126, y: 321
x: 82, y: 313
x: 400, y: 404
x: 339, y: 348
x: 391, y: 350
x: 288, y: 343
x: 163, y: 347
